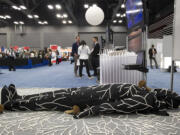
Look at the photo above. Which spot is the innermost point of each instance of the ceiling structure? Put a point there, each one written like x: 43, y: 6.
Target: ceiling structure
x: 61, y: 12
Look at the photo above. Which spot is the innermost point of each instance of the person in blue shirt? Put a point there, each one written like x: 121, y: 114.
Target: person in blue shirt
x: 2, y: 49
x: 75, y: 54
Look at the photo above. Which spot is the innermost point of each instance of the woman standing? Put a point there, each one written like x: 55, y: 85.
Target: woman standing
x: 83, y: 52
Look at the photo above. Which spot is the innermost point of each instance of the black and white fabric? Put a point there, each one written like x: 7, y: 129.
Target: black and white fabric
x: 112, y: 98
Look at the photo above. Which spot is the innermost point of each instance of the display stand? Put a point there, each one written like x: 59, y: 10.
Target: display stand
x: 144, y: 47
x: 173, y: 45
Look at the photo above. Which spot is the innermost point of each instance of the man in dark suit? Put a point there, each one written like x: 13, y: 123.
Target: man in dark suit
x: 152, y: 56
x: 75, y: 54
x: 95, y: 55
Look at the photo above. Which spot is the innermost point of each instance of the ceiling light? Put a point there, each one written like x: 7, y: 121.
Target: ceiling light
x: 45, y: 22
x: 36, y: 16
x: 21, y: 22
x: 124, y: 14
x: 64, y: 21
x: 16, y: 22
x: 50, y: 7
x: 40, y: 22
x: 70, y: 22
x: 65, y: 15
x: 118, y: 14
x: 86, y: 6
x: 2, y: 17
x: 115, y: 21
x: 133, y: 11
x: 58, y: 7
x: 59, y: 16
x: 30, y: 16
x: 15, y: 7
x: 139, y: 3
x: 123, y: 6
x: 8, y: 17
x: 23, y: 7
x: 120, y: 21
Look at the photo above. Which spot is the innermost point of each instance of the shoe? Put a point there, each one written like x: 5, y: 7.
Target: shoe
x: 76, y: 75
x: 97, y: 81
x: 1, y: 108
x: 91, y: 77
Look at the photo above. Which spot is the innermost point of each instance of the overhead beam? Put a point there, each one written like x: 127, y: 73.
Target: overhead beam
x: 22, y: 2
x: 115, y: 11
x: 34, y: 2
x: 25, y: 12
x: 36, y: 5
x: 68, y: 6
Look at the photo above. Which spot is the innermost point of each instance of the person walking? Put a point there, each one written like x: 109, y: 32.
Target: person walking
x: 152, y: 56
x: 83, y: 52
x: 75, y: 54
x: 95, y: 55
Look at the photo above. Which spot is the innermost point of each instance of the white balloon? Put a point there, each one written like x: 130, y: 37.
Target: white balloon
x: 94, y: 15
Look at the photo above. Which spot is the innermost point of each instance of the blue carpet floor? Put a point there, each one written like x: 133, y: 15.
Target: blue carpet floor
x: 62, y: 76
x: 159, y: 79
x: 57, y: 76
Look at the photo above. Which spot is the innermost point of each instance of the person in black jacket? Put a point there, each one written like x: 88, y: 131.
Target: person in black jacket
x: 74, y: 53
x: 152, y: 56
x: 94, y: 100
x: 95, y: 55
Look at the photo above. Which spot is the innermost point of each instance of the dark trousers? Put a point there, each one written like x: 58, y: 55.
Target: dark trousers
x: 75, y: 65
x: 11, y: 64
x: 57, y: 60
x: 95, y: 64
x: 154, y: 59
x: 49, y: 60
x: 81, y: 67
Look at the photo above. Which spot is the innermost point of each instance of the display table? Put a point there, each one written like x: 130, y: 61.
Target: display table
x: 20, y: 63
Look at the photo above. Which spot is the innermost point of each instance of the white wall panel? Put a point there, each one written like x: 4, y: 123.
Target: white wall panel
x: 177, y: 31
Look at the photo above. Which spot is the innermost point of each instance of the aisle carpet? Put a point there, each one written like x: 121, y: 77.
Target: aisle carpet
x: 161, y: 79
x: 57, y: 76
x: 58, y: 123
x: 61, y: 76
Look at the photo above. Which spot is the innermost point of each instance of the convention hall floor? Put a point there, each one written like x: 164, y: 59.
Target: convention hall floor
x: 55, y: 123
x: 61, y: 76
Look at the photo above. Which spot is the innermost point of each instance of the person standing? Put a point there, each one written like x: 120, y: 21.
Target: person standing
x: 83, y: 52
x: 95, y: 55
x: 152, y: 56
x: 75, y: 54
x: 11, y: 59
x: 57, y: 57
x: 49, y: 57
